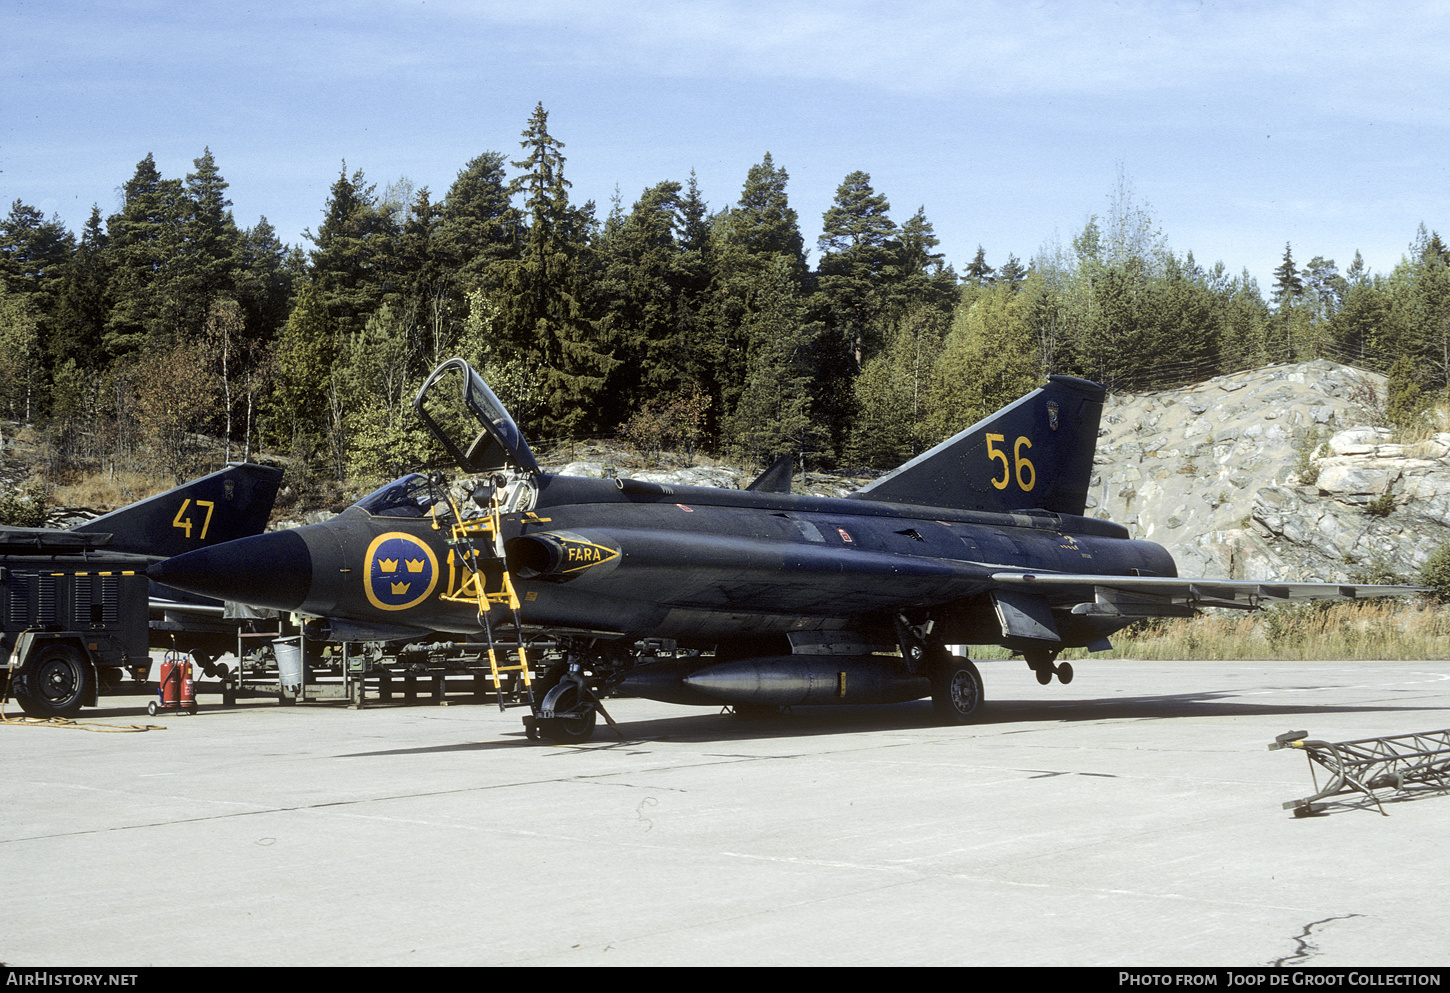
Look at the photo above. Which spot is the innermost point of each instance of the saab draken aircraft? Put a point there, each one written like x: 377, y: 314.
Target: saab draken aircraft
x: 752, y: 598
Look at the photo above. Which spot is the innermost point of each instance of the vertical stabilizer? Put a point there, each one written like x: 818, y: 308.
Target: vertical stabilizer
x: 233, y: 503
x: 1034, y: 453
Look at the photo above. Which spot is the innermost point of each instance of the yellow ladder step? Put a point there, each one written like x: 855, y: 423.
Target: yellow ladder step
x: 464, y: 538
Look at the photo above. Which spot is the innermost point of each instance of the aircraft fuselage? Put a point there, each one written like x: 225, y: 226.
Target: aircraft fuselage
x: 698, y: 565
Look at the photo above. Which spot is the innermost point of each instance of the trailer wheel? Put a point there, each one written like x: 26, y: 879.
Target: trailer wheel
x: 956, y: 690
x: 55, y: 682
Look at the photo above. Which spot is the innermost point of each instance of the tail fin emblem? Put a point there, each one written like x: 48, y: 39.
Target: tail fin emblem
x: 1052, y: 414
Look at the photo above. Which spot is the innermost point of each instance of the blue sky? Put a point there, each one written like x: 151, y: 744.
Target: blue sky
x: 1242, y: 126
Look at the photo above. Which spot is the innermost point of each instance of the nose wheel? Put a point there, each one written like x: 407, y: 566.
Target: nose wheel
x: 569, y: 708
x: 571, y: 715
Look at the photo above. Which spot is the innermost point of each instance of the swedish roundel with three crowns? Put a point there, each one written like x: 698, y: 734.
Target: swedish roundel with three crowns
x: 402, y: 571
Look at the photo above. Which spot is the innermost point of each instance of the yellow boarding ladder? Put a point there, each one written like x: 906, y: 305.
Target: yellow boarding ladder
x: 466, y: 536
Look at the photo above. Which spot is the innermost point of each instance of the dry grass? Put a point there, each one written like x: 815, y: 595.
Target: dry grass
x: 1328, y: 630
x: 1335, y: 630
x: 105, y: 491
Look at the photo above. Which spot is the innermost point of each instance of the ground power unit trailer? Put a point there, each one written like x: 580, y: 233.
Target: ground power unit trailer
x: 72, y: 616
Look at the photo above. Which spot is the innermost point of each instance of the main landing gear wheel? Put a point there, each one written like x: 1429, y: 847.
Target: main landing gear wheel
x: 956, y: 690
x: 1041, y: 665
x: 55, y: 682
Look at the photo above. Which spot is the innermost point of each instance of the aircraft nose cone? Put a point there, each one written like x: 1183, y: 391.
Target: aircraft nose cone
x: 266, y: 570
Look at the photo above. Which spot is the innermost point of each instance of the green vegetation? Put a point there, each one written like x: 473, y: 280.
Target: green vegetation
x: 682, y: 325
x: 1308, y: 450
x: 1382, y: 505
x: 1436, y: 573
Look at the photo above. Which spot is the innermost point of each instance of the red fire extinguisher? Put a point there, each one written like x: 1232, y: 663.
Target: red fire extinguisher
x: 175, y: 690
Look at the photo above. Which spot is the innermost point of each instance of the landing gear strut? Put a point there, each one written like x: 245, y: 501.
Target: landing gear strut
x: 1040, y: 661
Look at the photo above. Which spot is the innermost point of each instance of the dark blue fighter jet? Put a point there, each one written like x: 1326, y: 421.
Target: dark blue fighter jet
x: 755, y: 598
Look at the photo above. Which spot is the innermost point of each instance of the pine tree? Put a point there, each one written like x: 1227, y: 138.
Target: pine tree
x: 144, y: 244
x: 212, y: 245
x: 978, y: 271
x: 857, y: 222
x: 478, y: 227
x: 645, y: 293
x: 1427, y: 311
x: 1013, y: 274
x: 1247, y: 322
x: 264, y: 282
x: 754, y: 243
x: 763, y: 223
x: 540, y: 294
x: 1288, y: 289
x: 696, y: 267
x: 857, y: 246
x: 34, y: 254
x: 35, y: 262
x: 921, y: 277
x: 867, y: 277
x: 773, y: 415
x: 353, y: 259
x: 84, y: 302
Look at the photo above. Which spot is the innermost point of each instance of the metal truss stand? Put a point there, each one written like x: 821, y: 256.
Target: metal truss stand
x: 1407, y: 763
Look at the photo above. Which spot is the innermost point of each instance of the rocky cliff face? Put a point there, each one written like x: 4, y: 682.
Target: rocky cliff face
x: 1212, y: 472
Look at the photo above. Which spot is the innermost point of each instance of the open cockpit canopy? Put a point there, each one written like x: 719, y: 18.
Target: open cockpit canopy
x: 454, y: 403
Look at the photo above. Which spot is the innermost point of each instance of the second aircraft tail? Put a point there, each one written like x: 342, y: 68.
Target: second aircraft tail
x: 234, y: 502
